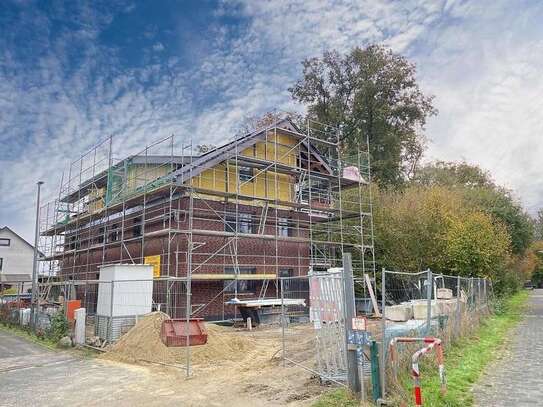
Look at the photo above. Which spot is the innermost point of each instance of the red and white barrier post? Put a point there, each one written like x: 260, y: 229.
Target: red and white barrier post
x: 415, y: 372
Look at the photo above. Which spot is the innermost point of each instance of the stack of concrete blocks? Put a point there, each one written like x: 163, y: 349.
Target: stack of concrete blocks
x: 420, y: 308
x: 445, y: 304
x: 444, y: 294
x: 399, y: 313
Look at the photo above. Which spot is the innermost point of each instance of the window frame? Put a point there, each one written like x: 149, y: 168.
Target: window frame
x: 243, y: 224
x: 245, y: 173
x: 137, y: 226
x: 283, y: 227
x: 113, y: 233
x: 289, y: 273
x: 5, y: 239
x: 1, y: 263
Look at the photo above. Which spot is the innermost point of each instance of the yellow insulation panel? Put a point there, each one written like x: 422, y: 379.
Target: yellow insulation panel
x: 268, y: 184
x: 141, y: 174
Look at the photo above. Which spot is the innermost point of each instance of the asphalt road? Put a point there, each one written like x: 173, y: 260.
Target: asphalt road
x: 31, y: 375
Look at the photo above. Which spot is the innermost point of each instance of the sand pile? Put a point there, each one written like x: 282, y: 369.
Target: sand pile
x: 142, y: 344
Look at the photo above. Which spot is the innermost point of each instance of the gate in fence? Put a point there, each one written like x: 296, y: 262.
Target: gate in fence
x: 314, y: 336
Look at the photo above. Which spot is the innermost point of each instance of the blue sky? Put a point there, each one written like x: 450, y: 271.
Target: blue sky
x: 73, y: 73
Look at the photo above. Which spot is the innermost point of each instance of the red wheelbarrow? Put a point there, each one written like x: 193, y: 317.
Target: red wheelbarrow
x: 174, y: 332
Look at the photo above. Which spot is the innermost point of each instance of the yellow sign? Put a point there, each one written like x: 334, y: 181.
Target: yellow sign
x: 155, y: 262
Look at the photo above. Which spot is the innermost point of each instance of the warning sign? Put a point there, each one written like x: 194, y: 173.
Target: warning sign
x: 359, y: 324
x: 155, y: 262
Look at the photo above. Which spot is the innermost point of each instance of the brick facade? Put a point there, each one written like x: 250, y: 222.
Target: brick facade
x: 257, y: 252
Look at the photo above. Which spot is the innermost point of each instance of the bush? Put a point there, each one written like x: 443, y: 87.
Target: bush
x: 476, y: 245
x: 59, y: 327
x: 507, y: 282
x: 433, y: 227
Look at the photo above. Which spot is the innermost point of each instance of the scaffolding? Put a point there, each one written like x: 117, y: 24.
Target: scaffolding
x: 284, y: 200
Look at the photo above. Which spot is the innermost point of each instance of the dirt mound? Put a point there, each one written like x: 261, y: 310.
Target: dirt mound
x: 142, y: 344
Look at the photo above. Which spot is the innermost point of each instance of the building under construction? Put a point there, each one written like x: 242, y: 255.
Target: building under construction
x: 281, y: 201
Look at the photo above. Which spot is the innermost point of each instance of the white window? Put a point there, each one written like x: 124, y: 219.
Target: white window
x: 5, y: 242
x: 244, y: 223
x: 283, y: 227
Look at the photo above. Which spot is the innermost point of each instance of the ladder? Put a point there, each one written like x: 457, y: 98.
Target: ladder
x: 262, y: 225
x: 263, y: 289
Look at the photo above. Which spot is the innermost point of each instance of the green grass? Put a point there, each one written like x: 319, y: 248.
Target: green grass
x: 336, y: 398
x: 45, y: 341
x: 28, y: 335
x: 467, y: 358
x: 465, y: 361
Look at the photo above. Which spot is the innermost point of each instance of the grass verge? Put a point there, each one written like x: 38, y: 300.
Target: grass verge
x: 336, y: 398
x: 28, y: 335
x: 465, y: 361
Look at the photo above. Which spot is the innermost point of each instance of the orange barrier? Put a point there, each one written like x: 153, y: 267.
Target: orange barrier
x: 71, y: 306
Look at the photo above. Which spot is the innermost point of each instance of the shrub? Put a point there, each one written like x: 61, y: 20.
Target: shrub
x: 59, y: 326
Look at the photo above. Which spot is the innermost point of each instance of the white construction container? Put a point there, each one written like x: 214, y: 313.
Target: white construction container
x: 125, y: 291
x: 132, y: 286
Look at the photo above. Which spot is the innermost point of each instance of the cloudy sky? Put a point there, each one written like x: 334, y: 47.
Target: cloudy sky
x: 73, y: 73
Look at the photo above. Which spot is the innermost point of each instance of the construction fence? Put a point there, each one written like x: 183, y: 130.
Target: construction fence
x: 426, y: 304
x: 415, y: 305
x: 304, y: 319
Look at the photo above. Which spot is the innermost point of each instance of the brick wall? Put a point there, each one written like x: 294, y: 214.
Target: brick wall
x: 262, y: 255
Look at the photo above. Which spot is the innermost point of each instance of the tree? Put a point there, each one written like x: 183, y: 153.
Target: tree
x: 370, y: 93
x: 481, y: 194
x: 420, y: 227
x: 411, y: 227
x: 252, y: 123
x: 477, y: 246
x: 500, y: 204
x: 452, y: 174
x: 538, y: 225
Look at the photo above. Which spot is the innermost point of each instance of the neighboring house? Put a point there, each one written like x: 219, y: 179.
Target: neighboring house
x: 238, y: 217
x: 16, y: 258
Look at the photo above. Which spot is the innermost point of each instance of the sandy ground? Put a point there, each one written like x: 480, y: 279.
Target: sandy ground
x: 236, y: 366
x: 31, y: 375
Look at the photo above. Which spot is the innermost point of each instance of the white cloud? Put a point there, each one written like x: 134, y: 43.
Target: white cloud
x: 158, y: 47
x: 485, y: 75
x: 480, y: 59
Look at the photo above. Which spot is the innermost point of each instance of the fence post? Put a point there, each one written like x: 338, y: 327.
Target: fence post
x: 429, y: 288
x: 471, y: 296
x: 383, y: 327
x: 109, y: 333
x: 19, y: 289
x: 349, y: 310
x: 458, y: 305
x: 283, y: 320
x: 374, y: 354
x: 485, y: 299
x: 478, y: 293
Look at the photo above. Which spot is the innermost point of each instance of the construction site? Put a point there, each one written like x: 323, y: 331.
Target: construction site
x: 254, y: 257
x: 220, y: 228
x: 217, y: 225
